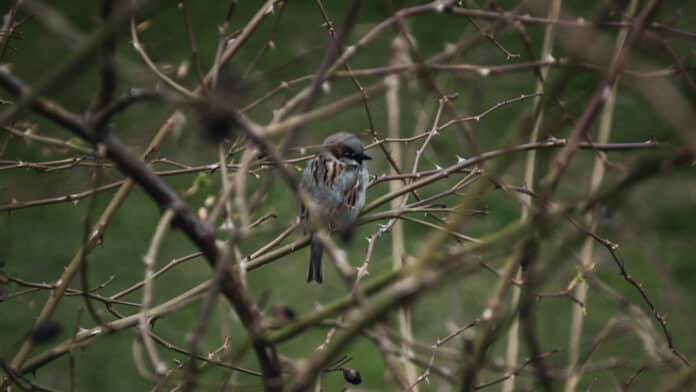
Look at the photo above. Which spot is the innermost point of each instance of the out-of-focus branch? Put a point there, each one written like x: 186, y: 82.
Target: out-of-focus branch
x: 138, y: 46
x: 8, y: 28
x: 568, y: 23
x: 562, y: 159
x: 85, y: 337
x: 552, y: 179
x: 449, y: 199
x: 172, y: 122
x: 529, y: 182
x: 66, y: 144
x: 587, y: 249
x: 148, y: 290
x: 400, y: 56
x: 200, y: 233
x: 83, y: 54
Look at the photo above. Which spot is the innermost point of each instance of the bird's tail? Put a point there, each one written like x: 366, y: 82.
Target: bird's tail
x: 315, y: 252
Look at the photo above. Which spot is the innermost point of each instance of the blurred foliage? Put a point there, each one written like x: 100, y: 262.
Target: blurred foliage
x: 655, y: 226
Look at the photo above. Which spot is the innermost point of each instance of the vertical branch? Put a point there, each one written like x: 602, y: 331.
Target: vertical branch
x: 107, y: 89
x: 490, y: 318
x: 144, y: 319
x: 240, y: 199
x: 578, y: 316
x: 212, y: 294
x: 398, y: 248
x: 84, y: 275
x: 195, y: 56
x: 104, y: 98
x: 512, y: 349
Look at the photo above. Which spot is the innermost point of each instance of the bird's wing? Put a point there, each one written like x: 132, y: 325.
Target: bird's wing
x: 331, y: 182
x: 351, y: 189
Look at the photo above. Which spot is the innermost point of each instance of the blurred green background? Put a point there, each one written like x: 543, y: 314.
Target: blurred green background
x: 655, y: 225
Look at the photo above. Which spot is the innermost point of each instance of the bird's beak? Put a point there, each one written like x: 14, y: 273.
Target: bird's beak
x: 364, y: 157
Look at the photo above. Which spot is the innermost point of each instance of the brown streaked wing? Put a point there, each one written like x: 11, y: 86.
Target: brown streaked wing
x: 351, y: 194
x: 315, y: 169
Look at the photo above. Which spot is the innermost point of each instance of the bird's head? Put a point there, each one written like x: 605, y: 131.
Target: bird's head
x: 345, y: 145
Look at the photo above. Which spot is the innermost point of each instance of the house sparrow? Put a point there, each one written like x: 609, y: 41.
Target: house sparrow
x: 335, y: 180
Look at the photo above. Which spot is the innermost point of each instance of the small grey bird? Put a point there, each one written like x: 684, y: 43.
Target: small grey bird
x: 336, y: 180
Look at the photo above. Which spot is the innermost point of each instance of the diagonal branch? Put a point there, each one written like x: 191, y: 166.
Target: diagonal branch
x: 201, y: 233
